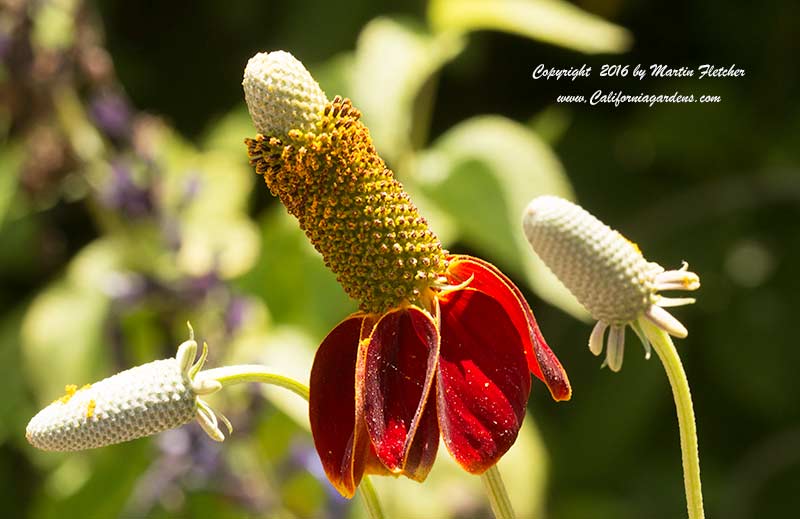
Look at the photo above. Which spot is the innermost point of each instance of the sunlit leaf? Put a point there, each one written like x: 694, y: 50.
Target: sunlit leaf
x: 484, y: 172
x: 335, y: 75
x: 286, y: 350
x: 393, y: 61
x: 230, y: 246
x: 63, y: 340
x: 552, y: 21
x: 292, y: 279
x: 209, y: 191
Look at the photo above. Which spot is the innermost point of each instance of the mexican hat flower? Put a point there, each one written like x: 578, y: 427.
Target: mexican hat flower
x: 607, y: 273
x: 443, y: 344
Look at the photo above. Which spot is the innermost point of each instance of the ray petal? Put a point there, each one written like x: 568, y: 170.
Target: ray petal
x: 488, y: 279
x: 336, y: 422
x: 400, y: 367
x: 483, y: 382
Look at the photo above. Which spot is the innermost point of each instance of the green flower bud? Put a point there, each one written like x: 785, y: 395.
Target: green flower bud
x: 606, y: 273
x: 138, y: 402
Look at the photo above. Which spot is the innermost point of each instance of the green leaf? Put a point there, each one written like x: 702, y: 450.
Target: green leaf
x: 484, y: 172
x: 209, y: 191
x: 97, y: 483
x: 292, y: 279
x: 288, y: 350
x: 62, y: 331
x: 15, y: 406
x: 228, y: 132
x: 393, y: 62
x: 552, y: 21
x: 336, y: 74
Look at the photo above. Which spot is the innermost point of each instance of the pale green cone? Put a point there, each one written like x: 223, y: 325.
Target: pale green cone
x: 138, y: 402
x: 281, y: 95
x: 605, y: 272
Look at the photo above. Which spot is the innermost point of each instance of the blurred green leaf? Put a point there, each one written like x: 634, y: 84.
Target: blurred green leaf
x: 484, y: 172
x: 287, y: 350
x: 209, y: 190
x: 62, y: 331
x: 15, y: 407
x: 230, y: 245
x: 552, y: 21
x: 393, y: 61
x: 227, y: 133
x: 335, y: 74
x: 303, y: 495
x: 292, y: 279
x: 10, y: 161
x: 551, y: 123
x: 97, y: 483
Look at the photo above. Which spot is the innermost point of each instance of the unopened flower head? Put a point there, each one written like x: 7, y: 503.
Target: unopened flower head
x: 318, y: 158
x: 606, y: 273
x: 138, y: 402
x: 281, y: 95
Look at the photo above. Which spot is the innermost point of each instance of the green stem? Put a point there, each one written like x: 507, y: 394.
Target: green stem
x: 666, y: 351
x: 370, y: 499
x: 498, y: 497
x: 243, y: 373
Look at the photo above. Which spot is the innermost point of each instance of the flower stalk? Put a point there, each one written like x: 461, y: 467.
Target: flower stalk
x: 665, y: 349
x: 498, y: 496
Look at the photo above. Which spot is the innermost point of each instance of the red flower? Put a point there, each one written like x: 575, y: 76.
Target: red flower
x: 384, y: 386
x: 442, y: 344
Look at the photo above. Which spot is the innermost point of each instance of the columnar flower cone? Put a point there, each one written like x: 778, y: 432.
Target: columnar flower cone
x: 138, y: 402
x: 442, y: 344
x: 606, y: 273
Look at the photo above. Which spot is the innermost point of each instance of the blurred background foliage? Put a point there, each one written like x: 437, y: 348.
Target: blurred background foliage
x: 127, y: 207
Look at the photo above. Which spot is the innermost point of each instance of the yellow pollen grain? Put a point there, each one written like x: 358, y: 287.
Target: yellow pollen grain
x: 634, y: 245
x: 90, y: 408
x: 70, y: 390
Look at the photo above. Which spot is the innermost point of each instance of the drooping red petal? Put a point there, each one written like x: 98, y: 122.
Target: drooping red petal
x: 422, y: 452
x: 483, y: 383
x: 337, y: 424
x: 488, y: 279
x: 399, y: 369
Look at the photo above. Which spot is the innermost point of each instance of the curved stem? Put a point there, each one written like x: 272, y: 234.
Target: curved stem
x: 666, y: 351
x: 370, y: 499
x: 243, y: 373
x: 498, y: 497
